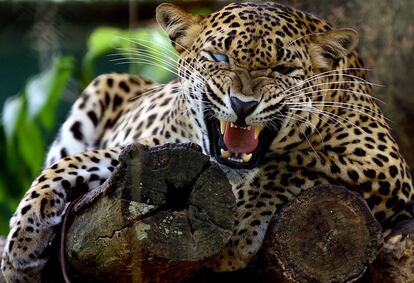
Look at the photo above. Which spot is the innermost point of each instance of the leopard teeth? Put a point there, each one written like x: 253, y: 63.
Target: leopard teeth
x: 222, y: 126
x: 257, y: 131
x: 235, y: 159
x: 246, y: 157
x: 225, y: 153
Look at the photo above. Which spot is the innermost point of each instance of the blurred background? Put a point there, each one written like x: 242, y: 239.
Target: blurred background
x: 50, y: 50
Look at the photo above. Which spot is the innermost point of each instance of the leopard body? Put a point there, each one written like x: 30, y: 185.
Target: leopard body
x: 266, y: 67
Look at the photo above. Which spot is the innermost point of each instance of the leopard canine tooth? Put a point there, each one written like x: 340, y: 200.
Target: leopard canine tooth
x: 257, y: 131
x: 246, y: 157
x: 222, y: 126
x: 225, y: 153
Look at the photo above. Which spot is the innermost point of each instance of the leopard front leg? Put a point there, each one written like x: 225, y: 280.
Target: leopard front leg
x: 260, y: 193
x: 31, y: 226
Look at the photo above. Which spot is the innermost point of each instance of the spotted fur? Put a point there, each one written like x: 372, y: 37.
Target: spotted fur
x: 309, y: 90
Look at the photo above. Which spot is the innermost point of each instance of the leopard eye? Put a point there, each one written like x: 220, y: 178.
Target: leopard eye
x: 219, y: 57
x: 284, y: 69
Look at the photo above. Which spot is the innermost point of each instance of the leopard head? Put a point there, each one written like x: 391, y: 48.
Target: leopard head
x: 249, y: 71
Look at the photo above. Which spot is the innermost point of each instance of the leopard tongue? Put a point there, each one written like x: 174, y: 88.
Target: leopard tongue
x: 240, y: 140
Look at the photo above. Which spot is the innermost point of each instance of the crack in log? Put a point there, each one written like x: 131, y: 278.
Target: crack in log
x: 128, y: 225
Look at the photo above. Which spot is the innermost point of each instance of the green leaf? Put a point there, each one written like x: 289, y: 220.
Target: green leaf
x: 24, y: 119
x: 5, y: 208
x: 102, y: 41
x: 147, y: 46
x: 11, y: 114
x: 150, y: 54
x: 44, y: 90
x: 30, y: 145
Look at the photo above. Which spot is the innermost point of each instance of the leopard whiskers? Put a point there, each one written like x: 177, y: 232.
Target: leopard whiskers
x: 178, y: 99
x: 143, y: 60
x: 207, y: 104
x: 156, y: 55
x: 348, y: 79
x: 332, y: 117
x: 204, y: 111
x: 325, y: 92
x: 309, y: 142
x: 271, y: 123
x: 137, y: 54
x: 300, y: 118
x: 150, y: 90
x: 291, y: 118
x: 147, y: 59
x: 149, y: 50
x: 191, y: 54
x: 353, y: 107
x: 321, y: 94
x: 337, y: 72
x: 149, y: 62
x: 169, y: 63
x: 149, y: 45
x: 333, y: 73
x: 157, y: 49
x: 333, y: 89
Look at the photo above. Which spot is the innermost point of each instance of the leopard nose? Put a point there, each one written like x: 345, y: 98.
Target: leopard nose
x: 242, y: 108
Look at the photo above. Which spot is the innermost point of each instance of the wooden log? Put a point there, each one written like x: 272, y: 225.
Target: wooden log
x: 159, y: 218
x: 166, y: 211
x: 327, y: 234
x: 395, y: 263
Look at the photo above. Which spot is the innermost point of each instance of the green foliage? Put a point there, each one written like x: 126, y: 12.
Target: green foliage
x: 26, y: 117
x: 148, y: 51
x: 31, y: 115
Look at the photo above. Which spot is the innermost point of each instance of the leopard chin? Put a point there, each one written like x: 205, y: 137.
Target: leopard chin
x: 239, y: 146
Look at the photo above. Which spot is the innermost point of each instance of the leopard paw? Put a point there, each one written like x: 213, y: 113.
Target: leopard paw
x: 31, y: 229
x: 13, y: 275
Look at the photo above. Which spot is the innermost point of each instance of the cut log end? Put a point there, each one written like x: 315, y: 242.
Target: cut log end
x: 327, y: 234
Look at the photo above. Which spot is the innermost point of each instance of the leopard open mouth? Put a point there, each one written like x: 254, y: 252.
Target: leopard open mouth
x: 236, y: 146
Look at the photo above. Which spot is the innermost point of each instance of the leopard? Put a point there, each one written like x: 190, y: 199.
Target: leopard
x: 276, y: 96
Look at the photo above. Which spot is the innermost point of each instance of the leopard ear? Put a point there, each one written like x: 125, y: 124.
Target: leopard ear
x: 181, y: 26
x: 328, y: 47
